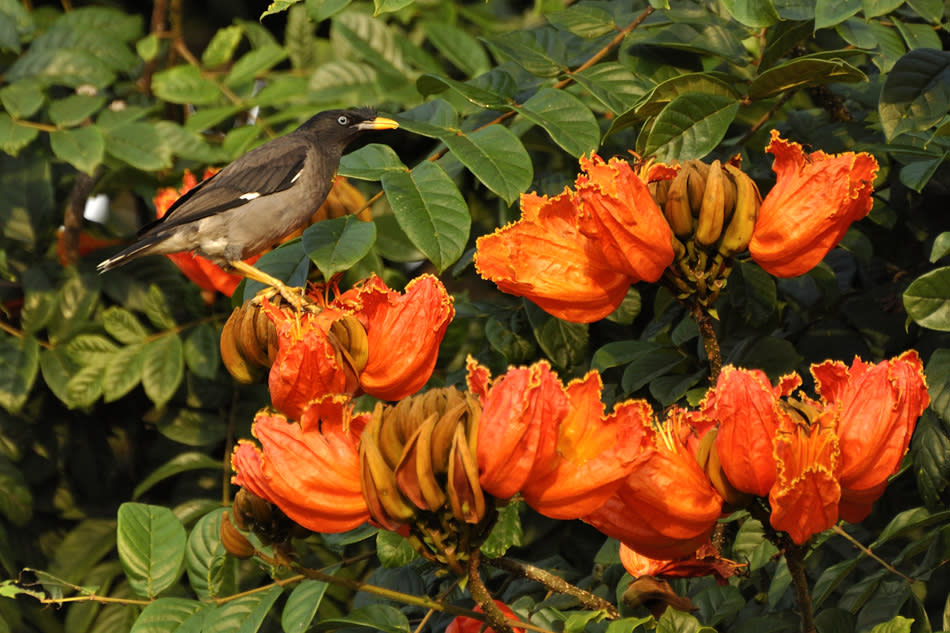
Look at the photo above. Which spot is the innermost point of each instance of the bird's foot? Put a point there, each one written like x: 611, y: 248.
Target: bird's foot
x: 296, y: 297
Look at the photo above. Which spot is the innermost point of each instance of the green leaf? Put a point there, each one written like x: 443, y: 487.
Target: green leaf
x: 278, y: 6
x: 372, y: 40
x: 243, y: 615
x: 506, y: 533
x: 690, y: 126
x: 170, y: 615
x: 564, y: 343
x: 320, y: 10
x: 16, y: 500
x: 899, y: 624
x: 540, y: 52
x: 221, y: 48
x: 14, y: 137
x: 83, y: 148
x: 649, y: 367
x: 336, y: 245
x: 61, y: 66
x: 302, y: 605
x: 496, y: 157
x: 157, y: 309
x: 831, y: 12
x: 938, y: 382
x: 380, y: 617
x: 583, y: 20
x: 151, y: 545
x: 22, y: 98
x: 570, y: 123
x: 941, y: 247
x: 393, y: 550
x: 801, y: 73
x: 916, y: 92
x: 74, y: 109
x: 139, y: 145
x: 39, y: 301
x: 57, y: 367
x: 77, y: 298
x: 211, y: 572
x: 163, y: 368
x: 927, y: 300
x: 192, y: 427
x: 431, y: 210
x: 429, y: 84
x: 123, y: 372
x: 389, y: 6
x: 612, y: 84
x: 752, y: 13
x: 122, y: 325
x: 201, y: 351
x: 84, y: 387
x: 254, y: 63
x: 19, y: 363
x: 456, y: 45
x: 185, y: 84
x: 289, y: 263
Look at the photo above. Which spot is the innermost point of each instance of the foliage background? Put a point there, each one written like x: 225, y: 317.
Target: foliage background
x: 111, y: 389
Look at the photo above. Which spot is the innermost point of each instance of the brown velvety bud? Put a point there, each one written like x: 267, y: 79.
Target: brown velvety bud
x: 234, y: 542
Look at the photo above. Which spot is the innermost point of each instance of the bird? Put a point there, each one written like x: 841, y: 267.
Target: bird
x: 258, y: 199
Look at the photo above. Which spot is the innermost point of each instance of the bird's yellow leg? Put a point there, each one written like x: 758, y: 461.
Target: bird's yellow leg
x: 292, y: 295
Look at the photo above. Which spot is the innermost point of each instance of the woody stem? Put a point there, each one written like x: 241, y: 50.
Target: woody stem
x: 555, y: 583
x: 705, y: 323
x: 493, y: 615
x: 794, y: 558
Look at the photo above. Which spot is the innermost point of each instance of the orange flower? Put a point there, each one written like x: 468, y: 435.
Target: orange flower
x: 553, y: 443
x: 310, y: 469
x: 746, y: 405
x: 704, y: 561
x: 878, y: 406
x: 667, y: 507
x: 576, y: 254
x: 815, y: 198
x: 806, y: 492
x: 403, y: 333
x: 462, y: 624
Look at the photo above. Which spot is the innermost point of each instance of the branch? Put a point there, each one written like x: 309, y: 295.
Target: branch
x: 556, y: 583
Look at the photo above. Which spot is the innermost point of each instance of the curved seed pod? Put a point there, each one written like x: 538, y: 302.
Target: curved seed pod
x: 738, y: 233
x: 711, y: 212
x: 676, y: 209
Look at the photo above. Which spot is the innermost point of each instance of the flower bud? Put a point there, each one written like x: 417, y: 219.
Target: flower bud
x: 248, y: 343
x: 233, y: 541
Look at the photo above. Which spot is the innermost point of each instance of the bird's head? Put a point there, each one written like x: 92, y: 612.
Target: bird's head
x: 345, y: 125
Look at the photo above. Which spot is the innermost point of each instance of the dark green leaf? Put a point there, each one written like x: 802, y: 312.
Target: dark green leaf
x: 253, y: 63
x: 320, y: 10
x: 752, y: 13
x: 938, y: 383
x: 122, y: 325
x: 57, y: 367
x: 82, y: 549
x: 460, y: 48
x: 392, y: 242
x: 221, y: 48
x: 22, y: 98
x: 243, y: 615
x: 380, y: 617
x: 19, y: 363
x: 690, y: 126
x: 289, y: 263
x: 157, y: 309
x: 16, y: 501
x: 77, y: 299
x: 831, y: 12
x: 75, y: 109
x: 185, y: 84
x: 84, y: 387
x: 302, y: 605
x: 151, y: 545
x: 83, y: 148
x: 181, y: 463
x: 14, y: 137
x: 800, y: 73
x: 508, y: 342
x: 431, y: 210
x: 916, y: 93
x: 192, y: 427
x: 496, y: 157
x: 170, y: 615
x: 539, y: 52
x: 930, y: 10
x: 39, y: 301
x: 927, y: 300
x: 123, y: 372
x: 373, y: 40
x: 370, y: 162
x: 649, y: 367
x: 211, y: 572
x: 570, y: 123
x: 718, y: 603
x: 163, y: 369
x: 621, y: 353
x: 506, y: 533
x: 393, y: 550
x: 139, y: 145
x: 336, y: 245
x: 583, y: 20
x: 612, y: 84
x: 61, y: 66
x: 429, y: 84
x: 201, y: 351
x: 564, y: 343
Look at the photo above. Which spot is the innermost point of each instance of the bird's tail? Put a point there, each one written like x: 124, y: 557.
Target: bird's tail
x: 136, y: 250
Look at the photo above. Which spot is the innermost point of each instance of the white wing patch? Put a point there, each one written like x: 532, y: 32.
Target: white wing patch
x: 250, y: 196
x: 296, y: 177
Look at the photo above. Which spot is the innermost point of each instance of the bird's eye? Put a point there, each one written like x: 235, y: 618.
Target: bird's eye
x: 343, y: 120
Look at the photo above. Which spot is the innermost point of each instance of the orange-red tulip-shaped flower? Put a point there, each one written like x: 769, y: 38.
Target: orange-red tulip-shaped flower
x: 576, y: 254
x: 878, y: 406
x: 310, y: 469
x: 746, y: 405
x: 667, y: 507
x: 403, y: 332
x: 462, y: 624
x: 815, y: 199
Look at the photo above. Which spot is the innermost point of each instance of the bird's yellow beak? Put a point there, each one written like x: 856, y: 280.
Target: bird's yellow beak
x: 382, y: 123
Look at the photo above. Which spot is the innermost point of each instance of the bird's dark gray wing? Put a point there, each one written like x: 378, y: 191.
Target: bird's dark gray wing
x: 270, y: 168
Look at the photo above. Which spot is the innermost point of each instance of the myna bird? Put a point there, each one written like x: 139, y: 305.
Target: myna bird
x: 258, y: 199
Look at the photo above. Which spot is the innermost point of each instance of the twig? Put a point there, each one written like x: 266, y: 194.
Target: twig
x: 555, y: 583
x: 710, y: 342
x: 72, y: 218
x: 840, y: 531
x: 493, y: 615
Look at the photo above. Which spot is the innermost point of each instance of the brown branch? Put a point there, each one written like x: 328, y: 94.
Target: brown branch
x: 493, y: 615
x: 710, y: 342
x: 555, y: 583
x: 72, y: 218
